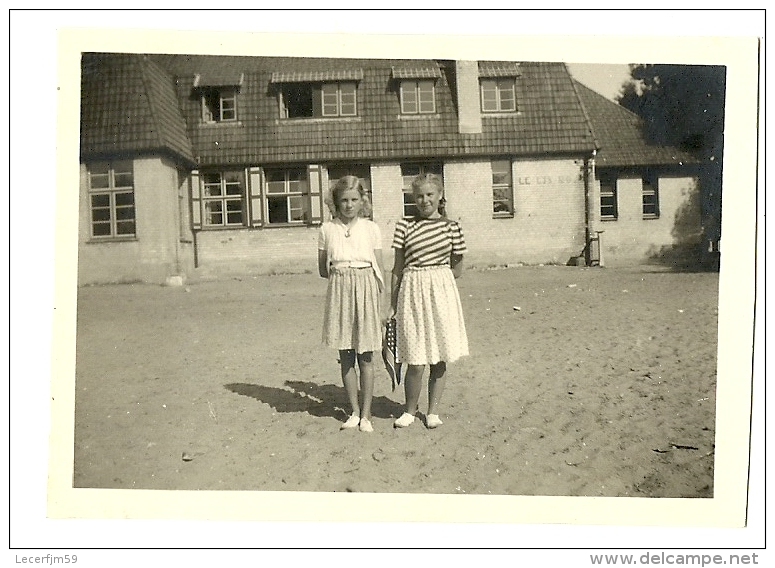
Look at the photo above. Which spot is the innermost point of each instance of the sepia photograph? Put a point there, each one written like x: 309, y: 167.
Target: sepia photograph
x: 457, y: 279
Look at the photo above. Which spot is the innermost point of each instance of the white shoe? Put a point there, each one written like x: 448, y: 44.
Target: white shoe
x: 433, y: 421
x: 365, y: 425
x: 351, y: 422
x: 404, y: 420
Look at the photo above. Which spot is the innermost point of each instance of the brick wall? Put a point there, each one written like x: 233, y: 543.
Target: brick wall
x: 156, y: 252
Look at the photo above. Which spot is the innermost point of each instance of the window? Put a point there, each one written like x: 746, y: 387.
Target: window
x: 502, y: 189
x: 223, y: 198
x: 112, y: 199
x: 650, y: 197
x: 219, y: 104
x: 418, y: 97
x: 360, y: 170
x: 408, y: 173
x: 307, y: 100
x: 287, y: 196
x: 498, y: 95
x: 608, y: 198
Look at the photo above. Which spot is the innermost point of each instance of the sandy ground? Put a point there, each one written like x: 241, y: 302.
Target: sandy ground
x: 581, y: 381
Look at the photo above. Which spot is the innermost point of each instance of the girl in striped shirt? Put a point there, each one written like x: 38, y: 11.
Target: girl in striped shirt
x: 430, y: 329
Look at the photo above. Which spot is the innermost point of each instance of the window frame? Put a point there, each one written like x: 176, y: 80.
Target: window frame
x: 498, y: 90
x: 416, y: 91
x: 650, y: 188
x: 509, y: 187
x: 406, y: 182
x: 207, y: 98
x: 317, y: 105
x: 112, y: 190
x: 305, y: 195
x: 609, y: 190
x: 224, y: 198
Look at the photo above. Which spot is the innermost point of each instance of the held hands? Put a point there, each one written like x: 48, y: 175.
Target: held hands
x: 388, y: 315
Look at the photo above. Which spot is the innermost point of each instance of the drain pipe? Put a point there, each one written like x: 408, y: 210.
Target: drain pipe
x: 589, y: 175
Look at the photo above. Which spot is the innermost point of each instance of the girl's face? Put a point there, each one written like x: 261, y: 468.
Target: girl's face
x: 426, y: 198
x: 349, y: 204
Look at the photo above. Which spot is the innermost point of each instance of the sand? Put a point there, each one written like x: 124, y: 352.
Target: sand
x: 580, y: 382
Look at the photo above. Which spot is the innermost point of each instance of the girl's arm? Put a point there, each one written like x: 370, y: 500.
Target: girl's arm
x: 323, y: 263
x: 395, y: 279
x: 456, y: 264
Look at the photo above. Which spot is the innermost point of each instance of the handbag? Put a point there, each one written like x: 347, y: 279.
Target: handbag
x: 389, y: 353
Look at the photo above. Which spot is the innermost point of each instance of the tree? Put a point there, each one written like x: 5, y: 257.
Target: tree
x: 683, y: 106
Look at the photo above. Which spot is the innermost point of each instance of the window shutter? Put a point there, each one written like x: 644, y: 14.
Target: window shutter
x: 317, y: 100
x: 196, y: 201
x: 255, y: 182
x: 315, y: 179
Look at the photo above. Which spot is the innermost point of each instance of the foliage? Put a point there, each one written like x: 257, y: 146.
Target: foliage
x: 683, y: 106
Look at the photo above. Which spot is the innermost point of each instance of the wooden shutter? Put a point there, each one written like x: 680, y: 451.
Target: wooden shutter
x: 255, y: 183
x: 317, y: 100
x: 315, y: 180
x: 196, y: 201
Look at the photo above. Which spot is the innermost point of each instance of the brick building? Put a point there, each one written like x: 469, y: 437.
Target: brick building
x: 222, y: 163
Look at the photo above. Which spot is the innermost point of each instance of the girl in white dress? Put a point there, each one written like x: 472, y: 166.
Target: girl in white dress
x: 350, y: 256
x: 430, y: 329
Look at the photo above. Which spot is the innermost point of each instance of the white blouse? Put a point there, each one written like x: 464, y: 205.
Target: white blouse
x: 364, y: 238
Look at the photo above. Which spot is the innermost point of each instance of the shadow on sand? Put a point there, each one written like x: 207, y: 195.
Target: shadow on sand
x: 323, y: 401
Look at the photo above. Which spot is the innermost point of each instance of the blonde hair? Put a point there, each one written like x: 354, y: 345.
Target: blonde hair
x: 435, y: 181
x: 347, y: 183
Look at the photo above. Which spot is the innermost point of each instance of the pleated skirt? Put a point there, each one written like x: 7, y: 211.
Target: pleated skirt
x: 352, y: 312
x: 429, y: 317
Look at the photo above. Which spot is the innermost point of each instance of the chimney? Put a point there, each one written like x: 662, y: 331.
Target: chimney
x: 469, y: 114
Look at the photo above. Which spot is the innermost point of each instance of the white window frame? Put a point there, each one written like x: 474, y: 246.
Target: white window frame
x: 114, y: 189
x: 226, y: 110
x: 290, y: 194
x: 608, y: 190
x: 499, y: 86
x: 508, y: 186
x: 650, y: 193
x: 221, y: 193
x: 338, y: 103
x: 411, y: 94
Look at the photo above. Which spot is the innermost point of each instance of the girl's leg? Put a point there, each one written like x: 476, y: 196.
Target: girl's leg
x: 436, y: 383
x: 413, y: 387
x: 350, y: 381
x: 366, y: 368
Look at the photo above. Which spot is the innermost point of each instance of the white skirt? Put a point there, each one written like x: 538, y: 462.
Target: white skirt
x: 352, y: 314
x: 429, y: 317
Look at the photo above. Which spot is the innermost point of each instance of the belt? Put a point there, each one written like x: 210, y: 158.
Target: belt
x: 351, y: 264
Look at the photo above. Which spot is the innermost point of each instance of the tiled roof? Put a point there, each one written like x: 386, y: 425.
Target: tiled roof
x: 550, y: 118
x: 129, y: 105
x: 620, y: 136
x: 316, y: 76
x: 498, y: 69
x: 417, y: 70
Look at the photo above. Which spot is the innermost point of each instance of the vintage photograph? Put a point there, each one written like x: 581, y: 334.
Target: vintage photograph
x: 452, y: 280
x: 547, y: 253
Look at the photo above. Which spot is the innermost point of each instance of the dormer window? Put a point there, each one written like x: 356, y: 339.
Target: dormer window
x: 418, y: 97
x: 417, y: 86
x: 498, y: 86
x: 323, y: 94
x: 218, y: 96
x: 219, y: 105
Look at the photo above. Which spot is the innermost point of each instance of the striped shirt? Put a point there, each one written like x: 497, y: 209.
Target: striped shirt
x: 428, y: 242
